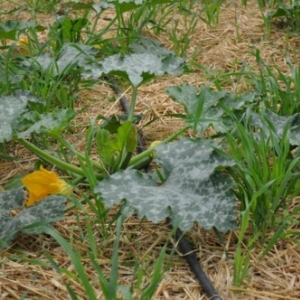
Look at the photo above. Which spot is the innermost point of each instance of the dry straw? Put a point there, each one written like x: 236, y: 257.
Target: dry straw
x: 224, y: 46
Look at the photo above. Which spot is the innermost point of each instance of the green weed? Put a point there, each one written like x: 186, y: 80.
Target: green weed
x: 263, y: 160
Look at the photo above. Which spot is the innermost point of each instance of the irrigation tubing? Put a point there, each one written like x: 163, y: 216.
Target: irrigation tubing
x: 184, y: 246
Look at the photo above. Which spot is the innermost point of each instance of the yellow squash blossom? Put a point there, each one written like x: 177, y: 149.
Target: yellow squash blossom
x: 43, y: 183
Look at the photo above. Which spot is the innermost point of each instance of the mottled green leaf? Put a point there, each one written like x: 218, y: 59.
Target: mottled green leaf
x: 11, y: 107
x: 99, y: 7
x: 279, y: 123
x: 5, y: 131
x: 28, y: 220
x: 11, y: 199
x: 234, y: 102
x: 194, y: 190
x: 48, y: 122
x: 150, y: 46
x: 128, y: 5
x: 12, y: 28
x: 203, y: 109
x: 137, y: 68
x: 71, y: 55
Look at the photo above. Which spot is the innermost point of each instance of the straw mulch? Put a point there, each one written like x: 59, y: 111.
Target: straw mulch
x: 222, y: 48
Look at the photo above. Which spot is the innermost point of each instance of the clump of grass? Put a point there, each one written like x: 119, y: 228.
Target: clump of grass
x: 267, y: 179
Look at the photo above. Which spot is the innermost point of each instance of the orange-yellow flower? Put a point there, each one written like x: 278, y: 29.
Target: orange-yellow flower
x: 43, y: 183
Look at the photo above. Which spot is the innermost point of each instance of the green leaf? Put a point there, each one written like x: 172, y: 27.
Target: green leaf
x: 29, y: 220
x: 203, y: 109
x: 128, y: 5
x: 280, y: 12
x: 279, y: 123
x: 11, y: 107
x: 123, y: 138
x: 194, y: 190
x: 48, y: 122
x: 68, y: 30
x: 137, y: 68
x: 12, y: 28
x: 103, y: 142
x: 111, y: 124
x: 234, y: 102
x: 11, y: 199
x: 111, y: 147
x: 150, y: 46
x: 72, y: 54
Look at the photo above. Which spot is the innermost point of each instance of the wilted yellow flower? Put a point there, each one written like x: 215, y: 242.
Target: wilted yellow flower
x: 105, y: 36
x: 24, y: 46
x: 43, y: 183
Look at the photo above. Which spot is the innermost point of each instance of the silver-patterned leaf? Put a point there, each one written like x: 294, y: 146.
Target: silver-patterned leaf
x: 48, y: 122
x: 29, y: 220
x: 194, y: 190
x: 204, y: 109
x: 72, y: 55
x: 279, y: 123
x: 137, y: 68
x: 128, y: 5
x: 11, y: 199
x: 10, y: 109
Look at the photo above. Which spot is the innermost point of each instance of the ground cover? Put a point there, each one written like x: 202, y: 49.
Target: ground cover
x: 251, y: 68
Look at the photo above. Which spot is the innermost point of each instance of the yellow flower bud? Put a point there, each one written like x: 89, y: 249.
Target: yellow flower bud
x: 154, y: 144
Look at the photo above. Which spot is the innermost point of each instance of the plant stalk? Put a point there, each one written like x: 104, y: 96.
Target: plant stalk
x: 55, y: 161
x: 51, y: 159
x: 149, y: 151
x: 132, y: 103
x: 79, y: 154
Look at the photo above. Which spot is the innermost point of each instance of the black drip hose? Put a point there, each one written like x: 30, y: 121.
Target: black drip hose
x: 189, y: 255
x: 184, y: 246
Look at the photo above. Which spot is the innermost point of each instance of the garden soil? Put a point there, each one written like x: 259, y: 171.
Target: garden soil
x: 222, y: 48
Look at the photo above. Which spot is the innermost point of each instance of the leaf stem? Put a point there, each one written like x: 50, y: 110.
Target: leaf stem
x: 51, y: 159
x: 147, y: 152
x: 79, y: 154
x: 132, y: 103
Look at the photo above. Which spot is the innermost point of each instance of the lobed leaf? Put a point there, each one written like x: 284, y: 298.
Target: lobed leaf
x: 203, y: 109
x: 11, y: 107
x: 29, y: 220
x: 72, y: 54
x: 137, y: 68
x: 151, y: 60
x: 48, y: 122
x: 128, y: 5
x: 194, y: 190
x: 12, y: 28
x: 279, y: 123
